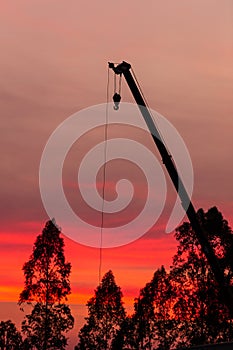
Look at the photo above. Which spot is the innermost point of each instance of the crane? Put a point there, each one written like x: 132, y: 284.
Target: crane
x: 124, y: 69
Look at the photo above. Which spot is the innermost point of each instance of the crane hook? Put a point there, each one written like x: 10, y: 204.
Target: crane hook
x: 116, y: 99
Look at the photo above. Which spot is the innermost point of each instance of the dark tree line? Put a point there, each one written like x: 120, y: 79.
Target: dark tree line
x: 177, y: 309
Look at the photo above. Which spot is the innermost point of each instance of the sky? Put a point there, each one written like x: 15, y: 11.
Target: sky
x: 53, y: 63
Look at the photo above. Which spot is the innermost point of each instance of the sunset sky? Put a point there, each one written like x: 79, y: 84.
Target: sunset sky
x: 53, y: 63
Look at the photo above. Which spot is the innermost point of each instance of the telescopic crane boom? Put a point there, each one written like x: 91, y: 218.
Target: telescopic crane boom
x: 124, y: 69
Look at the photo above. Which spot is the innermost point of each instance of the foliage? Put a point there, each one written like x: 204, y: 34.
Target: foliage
x: 184, y: 307
x: 200, y: 312
x: 46, y: 288
x: 179, y: 308
x: 152, y: 322
x: 125, y: 335
x: 10, y: 338
x: 105, y: 316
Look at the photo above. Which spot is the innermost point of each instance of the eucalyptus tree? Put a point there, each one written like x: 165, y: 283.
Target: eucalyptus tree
x: 46, y: 289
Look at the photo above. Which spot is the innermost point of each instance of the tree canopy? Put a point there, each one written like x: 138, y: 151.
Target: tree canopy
x: 180, y: 307
x: 10, y: 337
x: 46, y: 289
x: 105, y: 316
x: 183, y: 306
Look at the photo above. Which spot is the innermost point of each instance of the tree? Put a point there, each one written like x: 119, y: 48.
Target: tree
x: 46, y: 288
x: 199, y: 310
x: 184, y: 307
x: 10, y: 338
x: 105, y: 316
x: 125, y: 336
x: 153, y: 323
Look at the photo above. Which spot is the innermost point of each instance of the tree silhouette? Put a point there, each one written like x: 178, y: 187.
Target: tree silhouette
x: 125, y: 336
x: 10, y: 338
x: 105, y: 316
x: 46, y: 288
x: 152, y: 321
x: 183, y: 307
x: 198, y: 307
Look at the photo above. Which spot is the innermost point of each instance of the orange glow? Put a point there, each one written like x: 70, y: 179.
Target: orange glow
x: 133, y: 265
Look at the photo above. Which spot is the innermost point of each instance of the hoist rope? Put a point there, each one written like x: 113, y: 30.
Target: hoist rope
x: 119, y: 84
x: 115, y: 89
x: 120, y: 78
x: 104, y: 179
